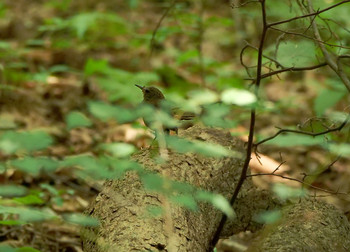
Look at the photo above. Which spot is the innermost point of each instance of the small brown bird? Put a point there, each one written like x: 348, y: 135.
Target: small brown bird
x: 153, y: 96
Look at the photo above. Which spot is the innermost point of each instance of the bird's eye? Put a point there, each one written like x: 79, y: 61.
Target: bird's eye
x: 146, y: 90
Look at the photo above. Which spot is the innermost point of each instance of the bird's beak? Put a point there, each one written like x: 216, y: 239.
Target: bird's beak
x: 140, y: 87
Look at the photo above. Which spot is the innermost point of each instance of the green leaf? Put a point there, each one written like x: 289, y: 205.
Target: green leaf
x: 119, y: 149
x: 238, y: 97
x: 11, y: 223
x: 200, y: 97
x: 29, y: 214
x: 100, y: 168
x: 12, y: 191
x: 59, y: 69
x: 286, y: 192
x: 82, y: 220
x: 296, y: 53
x: 105, y: 112
x: 207, y: 149
x: 185, y: 200
x: 296, y: 140
x: 82, y: 22
x: 35, y: 165
x: 11, y: 141
x: 326, y: 99
x: 29, y: 200
x: 342, y: 149
x: 93, y: 66
x: 77, y: 119
x: 187, y: 56
x: 268, y: 217
x: 218, y: 201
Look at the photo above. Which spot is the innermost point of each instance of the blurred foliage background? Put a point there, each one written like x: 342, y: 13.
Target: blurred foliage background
x: 69, y: 108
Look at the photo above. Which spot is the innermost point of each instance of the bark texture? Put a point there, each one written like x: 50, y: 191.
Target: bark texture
x: 306, y: 226
x: 126, y: 225
x: 122, y: 205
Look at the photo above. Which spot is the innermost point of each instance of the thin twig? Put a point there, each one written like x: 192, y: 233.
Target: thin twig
x: 158, y: 25
x: 297, y: 180
x: 337, y: 68
x: 291, y: 69
x: 304, y: 132
x: 307, y: 15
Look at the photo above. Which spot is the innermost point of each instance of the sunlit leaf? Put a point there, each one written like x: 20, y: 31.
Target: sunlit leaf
x: 203, y: 96
x: 238, y: 97
x: 119, y: 149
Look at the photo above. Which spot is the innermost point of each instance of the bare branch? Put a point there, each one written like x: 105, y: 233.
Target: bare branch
x: 158, y: 25
x: 309, y: 37
x: 304, y: 132
x: 337, y: 68
x: 297, y: 180
x: 308, y: 15
x: 290, y: 69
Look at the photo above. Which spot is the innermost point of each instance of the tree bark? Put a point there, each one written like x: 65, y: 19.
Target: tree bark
x: 126, y: 224
x: 308, y: 226
x: 122, y: 205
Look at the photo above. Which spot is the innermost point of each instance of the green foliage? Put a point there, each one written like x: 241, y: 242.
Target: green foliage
x: 238, y: 97
x: 82, y: 220
x: 77, y: 119
x: 184, y: 194
x: 30, y: 141
x: 81, y: 23
x: 105, y: 167
x: 118, y: 83
x: 35, y: 165
x: 204, y: 148
x: 341, y: 149
x: 218, y: 201
x: 268, y: 217
x: 6, y: 248
x: 285, y: 192
x: 292, y: 139
x: 328, y: 97
x: 105, y: 112
x: 12, y: 190
x: 119, y: 150
x: 31, y: 199
x: 296, y: 53
x: 27, y: 215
